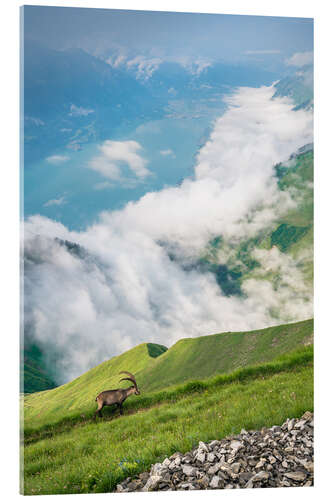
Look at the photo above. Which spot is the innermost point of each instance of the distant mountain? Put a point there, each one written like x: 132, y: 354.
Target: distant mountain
x: 299, y: 87
x: 72, y: 98
x: 35, y: 375
x: 67, y: 91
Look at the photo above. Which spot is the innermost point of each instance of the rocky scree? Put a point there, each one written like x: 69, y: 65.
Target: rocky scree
x: 281, y: 456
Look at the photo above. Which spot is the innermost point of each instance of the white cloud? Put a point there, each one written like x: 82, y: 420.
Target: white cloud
x: 56, y: 201
x: 263, y: 51
x: 114, y: 155
x: 35, y: 121
x: 104, y: 185
x: 79, y: 111
x: 200, y: 65
x: 194, y: 65
x: 116, y: 61
x: 300, y: 59
x: 145, y: 66
x: 291, y: 293
x: 57, y: 159
x: 167, y: 152
x: 151, y: 127
x: 125, y: 289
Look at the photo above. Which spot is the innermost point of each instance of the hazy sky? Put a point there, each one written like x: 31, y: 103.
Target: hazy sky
x: 167, y: 33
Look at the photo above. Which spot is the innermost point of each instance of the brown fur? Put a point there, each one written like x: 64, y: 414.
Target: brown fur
x: 115, y: 396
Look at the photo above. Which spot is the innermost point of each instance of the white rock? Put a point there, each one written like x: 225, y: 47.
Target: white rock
x: 213, y: 469
x: 260, y: 476
x: 300, y: 424
x: 295, y: 476
x: 201, y: 457
x: 166, y: 462
x: 172, y: 465
x: 214, y: 443
x: 210, y: 457
x: 261, y: 463
x: 152, y: 482
x: 309, y: 466
x: 291, y: 424
x: 225, y: 467
x: 202, y: 447
x: 187, y: 486
x: 188, y: 470
x: 236, y: 467
x: 236, y: 445
x: 157, y: 469
x: 215, y: 481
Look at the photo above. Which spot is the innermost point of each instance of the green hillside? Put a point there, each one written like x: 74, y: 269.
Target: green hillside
x: 201, y: 357
x: 89, y: 456
x: 79, y: 394
x: 188, y: 359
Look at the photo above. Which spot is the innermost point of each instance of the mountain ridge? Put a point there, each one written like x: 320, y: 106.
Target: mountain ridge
x: 188, y: 359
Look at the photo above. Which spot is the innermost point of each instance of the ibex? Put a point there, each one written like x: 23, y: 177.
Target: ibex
x: 116, y: 396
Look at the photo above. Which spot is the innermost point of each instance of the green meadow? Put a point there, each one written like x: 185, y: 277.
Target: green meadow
x: 65, y: 450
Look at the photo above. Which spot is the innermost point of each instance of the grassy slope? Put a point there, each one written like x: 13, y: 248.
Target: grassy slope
x: 188, y: 359
x: 79, y: 394
x: 222, y: 353
x: 93, y: 457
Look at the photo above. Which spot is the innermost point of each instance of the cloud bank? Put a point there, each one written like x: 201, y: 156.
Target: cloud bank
x: 132, y: 278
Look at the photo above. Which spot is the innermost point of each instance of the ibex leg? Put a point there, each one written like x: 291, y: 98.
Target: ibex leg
x: 99, y: 409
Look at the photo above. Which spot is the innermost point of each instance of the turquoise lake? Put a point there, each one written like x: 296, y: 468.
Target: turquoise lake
x: 81, y: 189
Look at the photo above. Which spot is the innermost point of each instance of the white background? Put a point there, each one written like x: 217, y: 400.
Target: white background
x: 9, y: 244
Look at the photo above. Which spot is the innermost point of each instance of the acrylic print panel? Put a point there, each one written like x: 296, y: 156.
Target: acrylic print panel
x: 167, y: 335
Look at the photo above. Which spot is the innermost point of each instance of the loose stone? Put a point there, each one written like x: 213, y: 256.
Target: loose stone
x: 281, y: 456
